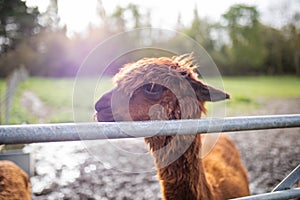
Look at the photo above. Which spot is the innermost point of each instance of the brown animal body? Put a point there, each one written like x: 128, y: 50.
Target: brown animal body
x: 14, y: 182
x: 169, y: 89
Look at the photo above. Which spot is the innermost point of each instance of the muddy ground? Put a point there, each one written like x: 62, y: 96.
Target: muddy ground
x: 76, y: 170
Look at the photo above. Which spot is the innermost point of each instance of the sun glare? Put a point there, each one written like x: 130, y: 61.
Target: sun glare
x: 78, y: 14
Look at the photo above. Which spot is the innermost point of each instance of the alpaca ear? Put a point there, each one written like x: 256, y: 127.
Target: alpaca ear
x: 209, y: 93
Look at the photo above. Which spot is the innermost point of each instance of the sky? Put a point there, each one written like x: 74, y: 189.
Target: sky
x: 78, y: 14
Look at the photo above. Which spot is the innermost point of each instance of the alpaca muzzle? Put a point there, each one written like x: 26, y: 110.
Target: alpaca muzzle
x: 103, y: 109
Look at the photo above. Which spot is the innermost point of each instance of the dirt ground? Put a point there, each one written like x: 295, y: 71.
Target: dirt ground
x: 71, y: 171
x: 270, y: 155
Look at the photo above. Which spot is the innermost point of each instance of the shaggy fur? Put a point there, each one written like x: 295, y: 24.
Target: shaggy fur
x: 169, y: 89
x: 14, y: 182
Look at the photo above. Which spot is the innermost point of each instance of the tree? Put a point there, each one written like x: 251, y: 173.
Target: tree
x: 247, y: 48
x: 121, y: 22
x: 274, y: 41
x: 200, y: 31
x: 293, y: 40
x: 118, y: 16
x: 283, y: 48
x: 136, y: 15
x: 50, y: 19
x: 16, y: 23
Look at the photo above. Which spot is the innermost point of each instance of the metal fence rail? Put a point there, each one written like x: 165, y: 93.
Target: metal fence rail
x: 16, y: 134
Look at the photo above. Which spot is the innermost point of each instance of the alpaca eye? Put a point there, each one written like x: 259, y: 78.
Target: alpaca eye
x: 153, y: 91
x: 183, y: 73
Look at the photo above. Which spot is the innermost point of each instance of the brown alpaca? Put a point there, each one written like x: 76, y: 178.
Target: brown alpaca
x: 169, y: 89
x: 14, y: 182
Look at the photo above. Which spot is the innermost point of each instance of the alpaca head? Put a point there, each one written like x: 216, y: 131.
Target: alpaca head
x: 157, y: 89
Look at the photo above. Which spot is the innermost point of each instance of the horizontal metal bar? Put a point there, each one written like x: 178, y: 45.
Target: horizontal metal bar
x: 16, y: 134
x: 289, y: 181
x: 279, y: 195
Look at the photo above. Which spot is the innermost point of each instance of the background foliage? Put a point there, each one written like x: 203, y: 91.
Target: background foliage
x: 240, y: 45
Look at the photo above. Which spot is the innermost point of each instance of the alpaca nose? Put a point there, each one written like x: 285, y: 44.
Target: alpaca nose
x: 103, y: 102
x: 103, y: 108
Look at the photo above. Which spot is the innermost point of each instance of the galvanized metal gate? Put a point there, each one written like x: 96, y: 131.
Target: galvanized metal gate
x: 282, y: 191
x: 18, y: 134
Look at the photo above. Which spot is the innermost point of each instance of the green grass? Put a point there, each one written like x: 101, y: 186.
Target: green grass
x: 2, y: 92
x: 263, y: 87
x: 247, y: 92
x: 57, y: 95
x: 53, y: 92
x: 63, y: 96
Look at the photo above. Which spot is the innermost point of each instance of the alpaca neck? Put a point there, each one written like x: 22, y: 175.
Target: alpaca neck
x: 184, y: 178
